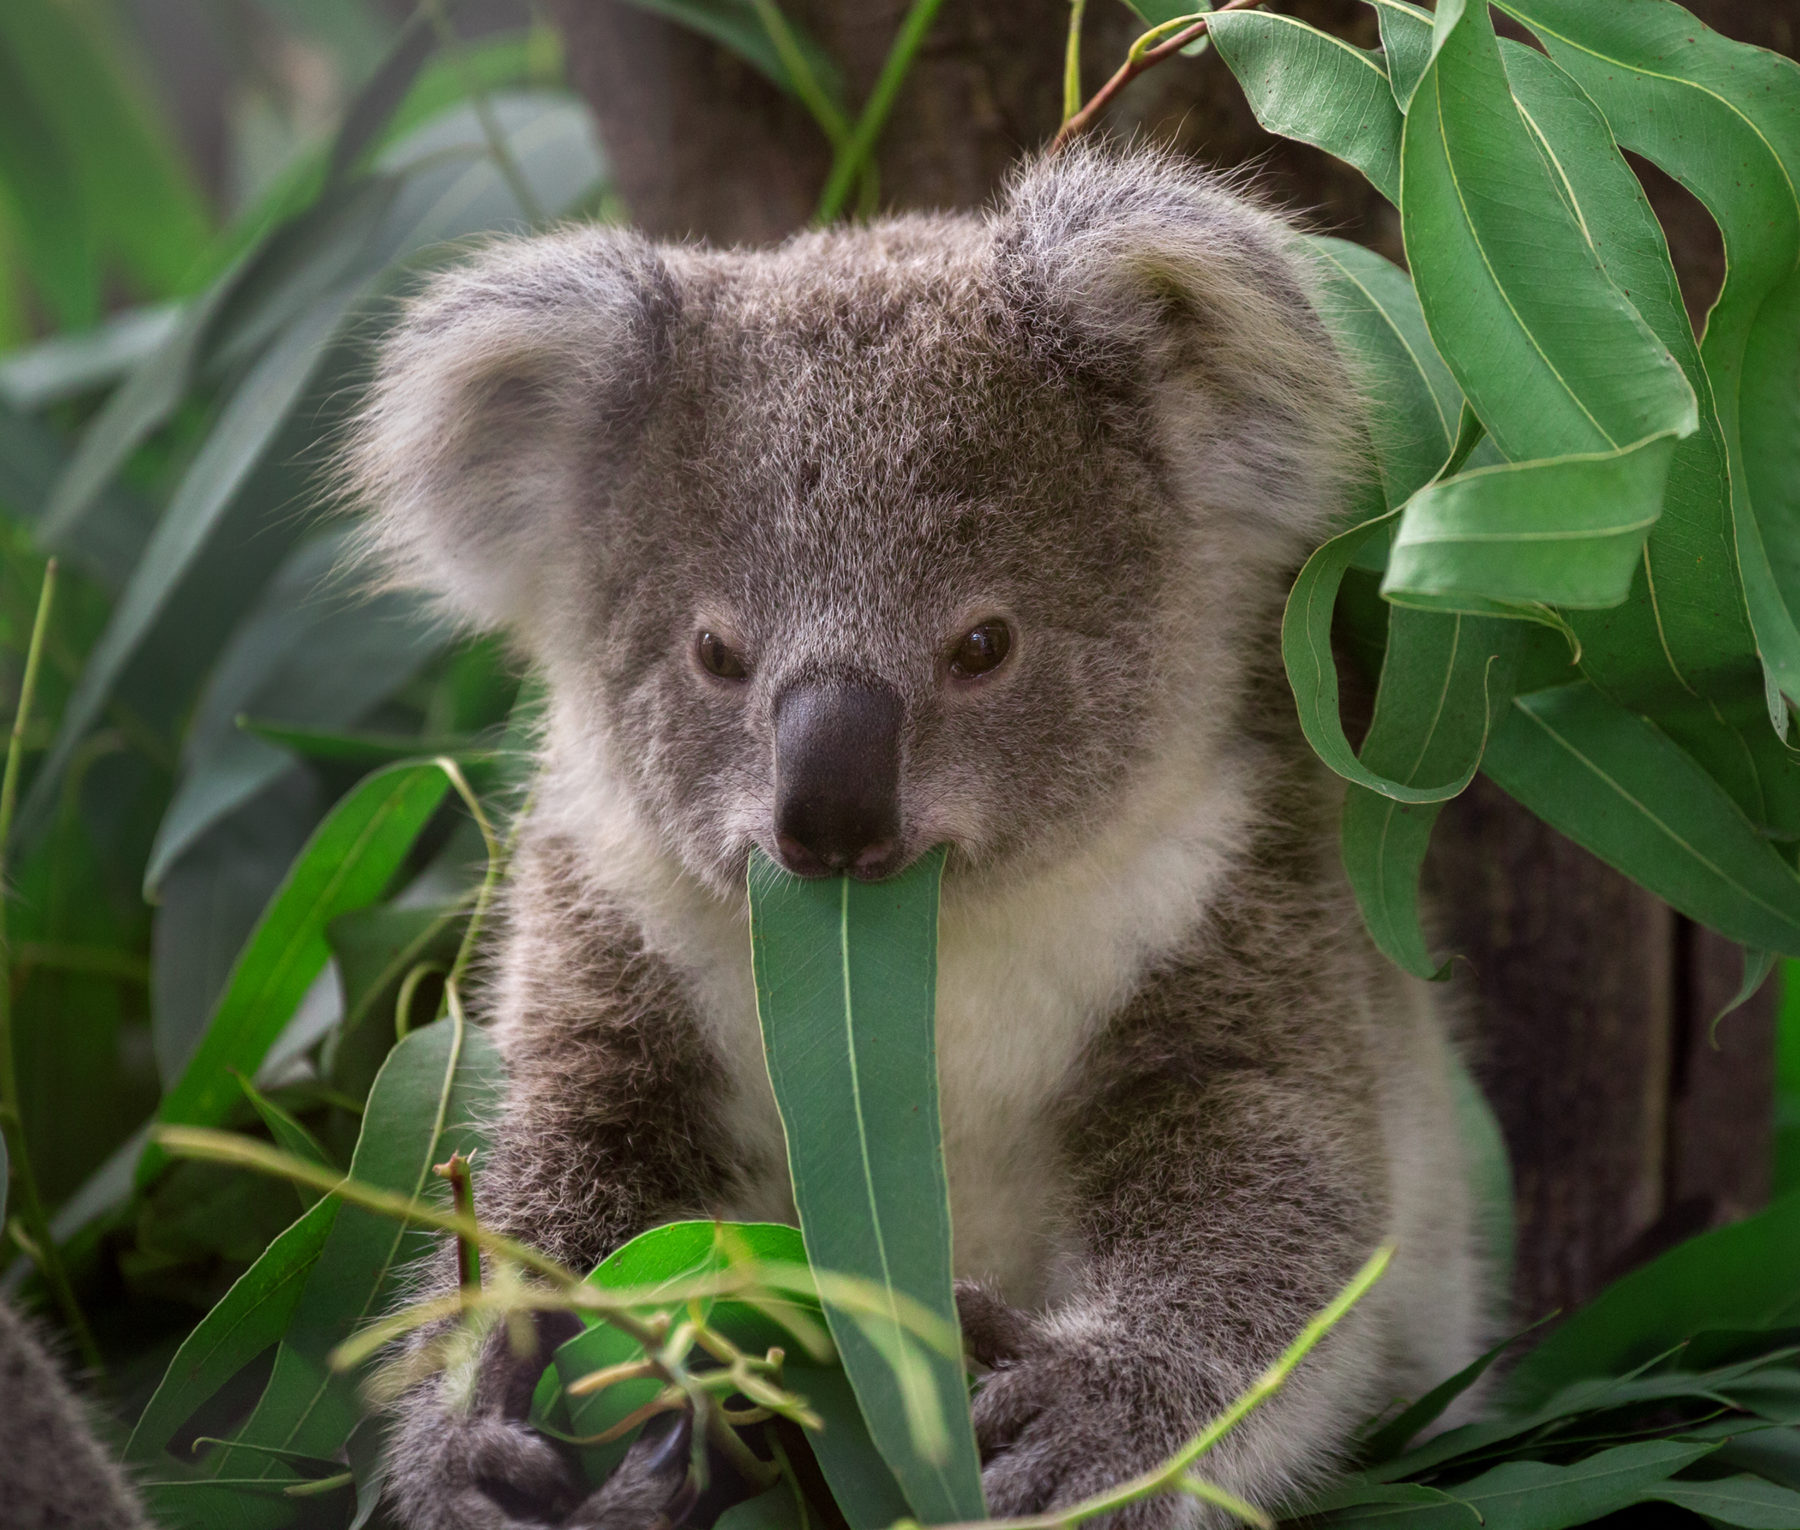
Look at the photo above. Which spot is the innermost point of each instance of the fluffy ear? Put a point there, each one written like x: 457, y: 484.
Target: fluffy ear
x: 507, y: 388
x: 1141, y: 274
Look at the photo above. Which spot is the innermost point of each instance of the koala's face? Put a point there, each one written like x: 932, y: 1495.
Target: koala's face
x: 877, y: 541
x: 868, y: 586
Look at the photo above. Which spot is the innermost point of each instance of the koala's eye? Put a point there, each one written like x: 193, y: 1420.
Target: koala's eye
x: 716, y: 659
x: 981, y: 650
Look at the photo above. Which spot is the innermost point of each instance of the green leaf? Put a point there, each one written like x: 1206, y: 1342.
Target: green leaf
x: 777, y: 1509
x: 233, y: 448
x: 1568, y: 531
x: 1741, y: 1276
x: 1570, y: 383
x: 435, y: 1086
x: 861, y: 1482
x: 1312, y: 671
x: 347, y: 864
x: 1534, y: 1495
x: 1724, y: 119
x: 50, y: 216
x: 1306, y: 84
x: 846, y: 976
x: 1620, y: 787
x: 656, y: 1259
x: 315, y: 650
x: 735, y: 25
x: 289, y: 1135
x: 1368, y: 304
x: 147, y: 212
x: 1443, y: 679
x: 244, y: 1322
x: 1407, y: 41
x: 1747, y: 1501
x: 375, y: 948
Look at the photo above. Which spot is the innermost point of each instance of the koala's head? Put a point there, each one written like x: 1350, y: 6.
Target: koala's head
x: 926, y: 532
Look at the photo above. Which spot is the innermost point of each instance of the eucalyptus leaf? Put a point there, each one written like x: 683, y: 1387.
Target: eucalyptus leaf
x: 846, y: 975
x: 1736, y: 1276
x: 436, y: 1086
x: 1742, y: 1500
x: 1615, y: 784
x: 1724, y: 119
x: 1443, y: 679
x: 348, y: 863
x: 1306, y: 84
x: 243, y: 1323
x: 1565, y: 375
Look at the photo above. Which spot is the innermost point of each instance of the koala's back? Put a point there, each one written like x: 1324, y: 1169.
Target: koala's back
x: 54, y: 1473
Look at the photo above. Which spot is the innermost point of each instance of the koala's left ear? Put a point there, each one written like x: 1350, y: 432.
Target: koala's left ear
x: 502, y: 401
x: 1142, y: 275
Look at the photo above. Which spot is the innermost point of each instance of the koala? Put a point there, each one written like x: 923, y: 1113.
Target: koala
x: 961, y: 530
x: 53, y: 1470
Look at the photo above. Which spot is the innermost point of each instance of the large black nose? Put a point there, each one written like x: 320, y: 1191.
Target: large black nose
x: 837, y: 777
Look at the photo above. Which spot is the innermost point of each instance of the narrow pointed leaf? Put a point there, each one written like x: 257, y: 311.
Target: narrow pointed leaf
x: 436, y: 1085
x: 1617, y: 785
x: 1742, y: 1500
x: 846, y: 975
x: 1369, y: 305
x: 1443, y: 677
x: 347, y: 864
x: 1723, y: 118
x: 1306, y: 84
x: 243, y: 1323
x: 1571, y: 384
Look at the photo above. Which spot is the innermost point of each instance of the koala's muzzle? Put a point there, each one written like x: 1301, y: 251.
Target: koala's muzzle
x: 837, y: 778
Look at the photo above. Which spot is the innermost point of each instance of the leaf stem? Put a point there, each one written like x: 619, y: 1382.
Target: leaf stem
x: 31, y: 1218
x: 497, y: 856
x: 1072, y: 61
x: 455, y: 1169
x: 851, y: 158
x: 1135, y: 64
x: 832, y: 121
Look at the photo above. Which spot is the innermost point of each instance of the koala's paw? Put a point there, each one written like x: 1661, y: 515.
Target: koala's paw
x: 483, y: 1467
x: 1059, y: 1424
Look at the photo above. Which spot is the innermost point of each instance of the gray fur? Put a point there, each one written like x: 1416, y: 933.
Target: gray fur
x: 1183, y: 1098
x: 54, y: 1473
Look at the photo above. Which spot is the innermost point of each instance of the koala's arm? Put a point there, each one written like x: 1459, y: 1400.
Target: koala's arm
x: 1230, y: 1178
x: 604, y: 1132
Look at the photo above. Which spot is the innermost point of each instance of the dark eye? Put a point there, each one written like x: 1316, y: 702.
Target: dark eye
x: 981, y: 650
x: 717, y: 659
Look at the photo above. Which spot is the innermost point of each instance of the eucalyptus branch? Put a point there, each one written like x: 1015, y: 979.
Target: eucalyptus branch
x: 32, y: 1221
x: 853, y: 156
x: 1136, y: 63
x: 1173, y: 1475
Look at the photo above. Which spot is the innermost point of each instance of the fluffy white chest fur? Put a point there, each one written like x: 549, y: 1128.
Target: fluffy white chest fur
x: 1028, y: 968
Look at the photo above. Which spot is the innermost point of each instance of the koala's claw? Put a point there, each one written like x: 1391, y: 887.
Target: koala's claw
x: 651, y: 1489
x: 1050, y: 1435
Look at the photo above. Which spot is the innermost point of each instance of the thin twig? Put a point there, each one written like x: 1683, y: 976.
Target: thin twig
x: 462, y: 1198
x: 1135, y: 65
x: 31, y: 1219
x: 849, y: 161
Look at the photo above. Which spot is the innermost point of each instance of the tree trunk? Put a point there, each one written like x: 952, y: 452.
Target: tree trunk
x: 1590, y: 1000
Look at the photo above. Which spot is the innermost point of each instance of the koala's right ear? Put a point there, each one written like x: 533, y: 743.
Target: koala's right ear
x: 506, y: 390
